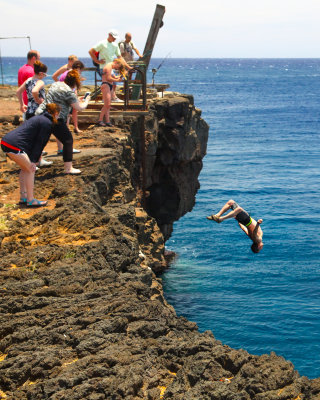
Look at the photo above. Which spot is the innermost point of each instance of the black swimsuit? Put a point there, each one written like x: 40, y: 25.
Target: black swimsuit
x: 243, y: 217
x: 109, y: 84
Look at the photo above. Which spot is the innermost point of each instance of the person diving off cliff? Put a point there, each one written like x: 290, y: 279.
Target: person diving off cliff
x: 250, y: 226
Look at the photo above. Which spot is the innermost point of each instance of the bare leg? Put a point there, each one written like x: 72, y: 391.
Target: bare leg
x: 231, y: 214
x: 75, y: 120
x: 113, y: 93
x: 106, y: 95
x: 217, y: 217
x: 27, y: 180
x: 225, y: 208
x: 26, y: 176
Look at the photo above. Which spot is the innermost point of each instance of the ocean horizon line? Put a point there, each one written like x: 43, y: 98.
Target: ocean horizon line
x: 192, y: 58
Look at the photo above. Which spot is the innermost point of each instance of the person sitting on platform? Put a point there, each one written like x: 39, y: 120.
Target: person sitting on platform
x: 65, y: 67
x: 127, y: 47
x: 24, y: 146
x: 108, y: 78
x: 250, y: 226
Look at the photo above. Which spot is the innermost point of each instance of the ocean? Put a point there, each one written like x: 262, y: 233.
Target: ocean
x: 263, y: 151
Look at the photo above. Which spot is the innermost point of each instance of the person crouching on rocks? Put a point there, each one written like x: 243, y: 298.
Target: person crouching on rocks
x: 108, y: 78
x: 24, y: 146
x: 62, y: 93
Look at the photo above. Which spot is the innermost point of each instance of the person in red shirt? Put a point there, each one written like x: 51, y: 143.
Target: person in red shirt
x: 26, y: 71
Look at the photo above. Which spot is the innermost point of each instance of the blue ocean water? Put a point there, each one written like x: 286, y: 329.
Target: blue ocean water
x: 263, y: 151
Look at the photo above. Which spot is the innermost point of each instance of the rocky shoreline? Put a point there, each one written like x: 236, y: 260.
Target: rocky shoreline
x: 82, y: 312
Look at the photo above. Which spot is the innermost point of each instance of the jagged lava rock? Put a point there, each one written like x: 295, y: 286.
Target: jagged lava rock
x: 82, y: 312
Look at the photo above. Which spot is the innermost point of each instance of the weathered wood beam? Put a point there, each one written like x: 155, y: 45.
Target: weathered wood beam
x: 153, y: 33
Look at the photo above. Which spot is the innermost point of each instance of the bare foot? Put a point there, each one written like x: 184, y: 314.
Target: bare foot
x: 214, y: 218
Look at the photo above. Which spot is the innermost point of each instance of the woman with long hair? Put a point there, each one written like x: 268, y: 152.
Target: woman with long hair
x: 108, y: 78
x: 24, y: 146
x: 78, y: 66
x: 62, y: 93
x: 34, y: 87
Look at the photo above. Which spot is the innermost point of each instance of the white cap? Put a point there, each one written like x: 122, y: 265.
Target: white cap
x: 114, y: 33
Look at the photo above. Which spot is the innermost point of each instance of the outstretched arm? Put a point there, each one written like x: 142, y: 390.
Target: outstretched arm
x: 137, y: 51
x: 255, y: 231
x: 59, y: 71
x: 81, y: 105
x: 124, y: 63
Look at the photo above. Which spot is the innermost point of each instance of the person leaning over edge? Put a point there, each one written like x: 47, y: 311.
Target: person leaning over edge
x: 62, y: 93
x: 78, y: 66
x: 24, y: 146
x: 250, y: 226
x: 108, y: 51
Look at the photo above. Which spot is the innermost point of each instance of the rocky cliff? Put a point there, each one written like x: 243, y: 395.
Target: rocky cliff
x: 82, y: 311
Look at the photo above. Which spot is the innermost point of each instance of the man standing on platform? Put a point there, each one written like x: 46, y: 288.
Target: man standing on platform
x: 27, y: 71
x: 108, y: 51
x: 127, y: 47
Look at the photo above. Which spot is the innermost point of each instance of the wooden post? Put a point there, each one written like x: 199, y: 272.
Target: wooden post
x: 153, y: 33
x: 143, y: 178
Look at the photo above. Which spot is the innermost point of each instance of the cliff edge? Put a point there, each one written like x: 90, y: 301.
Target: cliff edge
x: 82, y: 313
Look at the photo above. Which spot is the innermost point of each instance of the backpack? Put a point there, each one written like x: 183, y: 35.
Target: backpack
x: 94, y: 63
x: 125, y: 44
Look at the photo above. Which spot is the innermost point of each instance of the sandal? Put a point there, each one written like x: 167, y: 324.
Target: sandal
x: 101, y: 123
x: 23, y: 200
x: 214, y: 218
x: 36, y: 203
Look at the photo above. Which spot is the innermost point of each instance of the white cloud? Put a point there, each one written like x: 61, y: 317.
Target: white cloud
x: 206, y: 28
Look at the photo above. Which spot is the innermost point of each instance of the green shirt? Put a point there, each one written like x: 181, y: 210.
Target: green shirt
x: 108, y: 51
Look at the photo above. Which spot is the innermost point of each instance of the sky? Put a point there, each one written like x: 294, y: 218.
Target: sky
x: 195, y: 29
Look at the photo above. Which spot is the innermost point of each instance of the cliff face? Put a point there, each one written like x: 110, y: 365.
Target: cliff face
x: 175, y: 149
x: 82, y: 314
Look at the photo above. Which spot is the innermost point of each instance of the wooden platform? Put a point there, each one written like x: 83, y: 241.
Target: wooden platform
x: 161, y: 87
x: 91, y: 114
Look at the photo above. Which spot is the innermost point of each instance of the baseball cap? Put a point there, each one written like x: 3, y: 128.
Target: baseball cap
x: 114, y: 33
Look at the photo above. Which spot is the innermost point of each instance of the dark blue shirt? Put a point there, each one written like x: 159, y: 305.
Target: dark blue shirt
x: 31, y: 136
